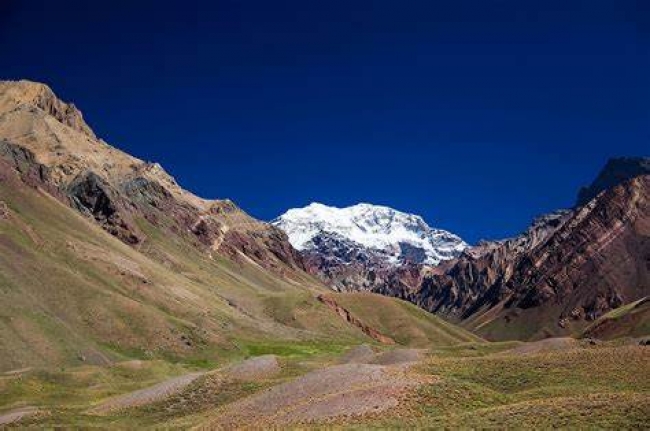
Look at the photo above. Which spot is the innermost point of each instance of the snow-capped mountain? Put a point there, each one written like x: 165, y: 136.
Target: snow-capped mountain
x: 385, y: 233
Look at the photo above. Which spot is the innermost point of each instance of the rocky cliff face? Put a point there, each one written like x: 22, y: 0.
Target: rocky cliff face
x: 50, y: 145
x: 19, y: 94
x: 464, y: 284
x: 597, y: 261
x: 568, y: 269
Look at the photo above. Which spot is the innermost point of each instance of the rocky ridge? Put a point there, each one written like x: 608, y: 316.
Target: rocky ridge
x: 50, y: 145
x: 566, y: 270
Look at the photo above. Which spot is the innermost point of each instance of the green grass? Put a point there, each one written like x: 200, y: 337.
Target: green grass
x: 70, y: 387
x: 585, y: 387
x: 593, y: 411
x: 625, y: 309
x: 294, y: 350
x: 571, y: 369
x: 402, y: 321
x: 472, y: 385
x: 474, y: 349
x: 66, y: 292
x: 67, y: 393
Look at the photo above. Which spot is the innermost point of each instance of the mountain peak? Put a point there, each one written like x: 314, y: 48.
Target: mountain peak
x: 378, y: 228
x: 16, y: 94
x: 616, y: 171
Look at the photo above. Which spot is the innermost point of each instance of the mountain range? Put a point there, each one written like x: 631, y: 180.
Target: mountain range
x: 103, y: 255
x: 130, y: 302
x: 567, y: 269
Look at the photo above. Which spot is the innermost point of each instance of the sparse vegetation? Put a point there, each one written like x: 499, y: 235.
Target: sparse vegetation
x: 473, y: 385
x: 603, y: 387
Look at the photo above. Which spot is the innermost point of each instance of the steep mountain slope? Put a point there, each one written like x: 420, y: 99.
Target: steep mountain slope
x: 400, y: 236
x: 115, y: 188
x: 101, y: 264
x: 354, y: 248
x: 103, y: 257
x: 74, y: 294
x: 568, y: 269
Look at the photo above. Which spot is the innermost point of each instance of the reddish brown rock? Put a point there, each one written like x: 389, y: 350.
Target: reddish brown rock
x: 93, y: 196
x: 567, y: 269
x: 351, y: 319
x: 588, y: 263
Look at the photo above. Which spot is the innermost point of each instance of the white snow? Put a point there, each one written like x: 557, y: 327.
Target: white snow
x: 372, y: 226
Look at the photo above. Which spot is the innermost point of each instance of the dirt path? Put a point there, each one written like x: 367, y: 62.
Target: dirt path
x: 146, y: 396
x: 347, y: 390
x: 16, y: 415
x: 253, y: 369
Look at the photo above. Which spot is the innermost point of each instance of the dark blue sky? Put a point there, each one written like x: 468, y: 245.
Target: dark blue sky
x: 477, y: 115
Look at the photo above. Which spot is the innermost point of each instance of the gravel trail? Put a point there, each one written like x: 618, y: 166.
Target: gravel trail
x: 147, y: 395
x: 342, y: 390
x: 14, y: 416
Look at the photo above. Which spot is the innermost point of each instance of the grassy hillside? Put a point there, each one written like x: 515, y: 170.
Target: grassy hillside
x: 87, y: 318
x: 204, y: 311
x: 472, y: 385
x: 402, y: 321
x: 580, y: 387
x: 73, y: 294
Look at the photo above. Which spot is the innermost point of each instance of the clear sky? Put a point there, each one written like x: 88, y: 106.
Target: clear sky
x: 477, y: 115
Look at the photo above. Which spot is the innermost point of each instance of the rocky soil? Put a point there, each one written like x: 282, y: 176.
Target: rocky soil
x: 146, y: 396
x: 349, y: 390
x: 16, y: 415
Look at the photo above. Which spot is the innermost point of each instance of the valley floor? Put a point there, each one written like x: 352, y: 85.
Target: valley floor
x: 557, y: 383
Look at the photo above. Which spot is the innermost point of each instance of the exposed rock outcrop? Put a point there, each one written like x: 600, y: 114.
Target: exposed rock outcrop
x: 26, y: 93
x: 566, y: 270
x: 4, y: 210
x: 569, y: 268
x: 631, y: 320
x: 470, y: 283
x: 351, y: 319
x: 93, y: 196
x: 358, y: 247
x: 50, y: 145
x: 25, y: 163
